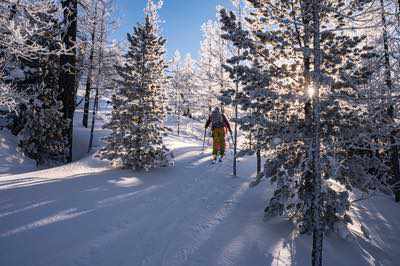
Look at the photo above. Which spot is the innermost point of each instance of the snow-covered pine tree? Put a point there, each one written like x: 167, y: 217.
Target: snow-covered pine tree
x: 31, y: 70
x: 136, y: 140
x: 43, y: 137
x: 286, y: 37
x: 283, y: 132
x: 235, y: 32
x: 381, y: 91
x: 256, y: 102
x: 255, y: 98
x: 393, y: 134
x: 306, y: 185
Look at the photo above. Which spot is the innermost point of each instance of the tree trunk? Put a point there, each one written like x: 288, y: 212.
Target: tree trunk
x: 317, y: 182
x: 258, y: 162
x: 95, y: 108
x: 306, y: 189
x: 235, y: 134
x: 179, y: 115
x: 68, y: 68
x: 250, y: 140
x: 394, y: 150
x: 90, y: 71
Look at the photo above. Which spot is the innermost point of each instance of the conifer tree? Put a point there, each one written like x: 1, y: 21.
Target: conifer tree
x: 31, y: 70
x: 393, y: 136
x: 234, y: 31
x: 305, y: 44
x: 283, y: 41
x: 138, y: 107
x: 43, y: 137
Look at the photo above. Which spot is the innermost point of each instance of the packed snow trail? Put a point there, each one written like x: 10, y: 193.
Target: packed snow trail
x: 194, y: 213
x: 88, y: 214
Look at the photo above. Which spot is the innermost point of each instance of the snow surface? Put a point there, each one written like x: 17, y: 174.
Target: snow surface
x: 194, y: 213
x: 11, y: 161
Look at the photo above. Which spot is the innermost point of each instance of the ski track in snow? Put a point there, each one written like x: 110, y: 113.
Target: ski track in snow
x: 192, y: 214
x: 203, y: 231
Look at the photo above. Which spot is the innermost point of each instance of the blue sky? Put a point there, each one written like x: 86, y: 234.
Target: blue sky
x: 183, y: 20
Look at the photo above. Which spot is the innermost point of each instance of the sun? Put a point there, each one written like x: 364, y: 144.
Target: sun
x: 310, y: 91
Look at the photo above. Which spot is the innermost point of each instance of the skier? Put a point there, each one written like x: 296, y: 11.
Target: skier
x: 219, y: 126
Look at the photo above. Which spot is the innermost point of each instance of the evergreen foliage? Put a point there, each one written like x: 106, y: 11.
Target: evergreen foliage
x: 31, y: 70
x: 275, y: 72
x: 138, y: 106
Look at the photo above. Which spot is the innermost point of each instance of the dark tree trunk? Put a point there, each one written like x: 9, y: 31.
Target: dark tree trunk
x: 306, y: 189
x: 258, y: 162
x: 250, y: 141
x: 95, y: 109
x: 90, y: 71
x: 318, y: 234
x: 68, y: 68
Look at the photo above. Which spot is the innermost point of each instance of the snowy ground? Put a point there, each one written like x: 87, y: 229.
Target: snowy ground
x: 12, y: 162
x: 194, y: 213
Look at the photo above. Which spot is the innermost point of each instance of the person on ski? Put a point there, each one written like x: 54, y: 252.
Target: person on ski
x: 219, y: 126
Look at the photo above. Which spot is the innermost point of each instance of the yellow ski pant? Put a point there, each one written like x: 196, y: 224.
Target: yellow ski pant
x: 218, y: 135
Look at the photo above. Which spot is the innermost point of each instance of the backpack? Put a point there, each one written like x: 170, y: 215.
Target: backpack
x: 217, y: 120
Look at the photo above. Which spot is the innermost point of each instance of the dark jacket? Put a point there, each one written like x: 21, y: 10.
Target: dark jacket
x: 225, y: 120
